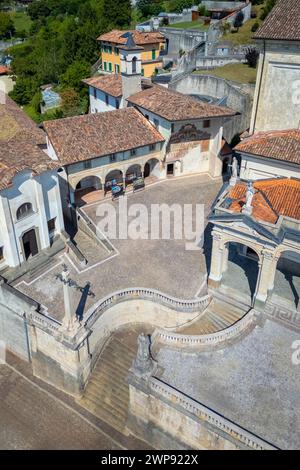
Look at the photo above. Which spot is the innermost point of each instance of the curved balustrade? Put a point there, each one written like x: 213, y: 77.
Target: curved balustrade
x: 194, y: 341
x: 191, y: 305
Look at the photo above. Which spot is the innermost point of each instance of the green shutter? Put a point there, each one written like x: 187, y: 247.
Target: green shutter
x: 153, y: 54
x: 105, y: 66
x: 110, y: 66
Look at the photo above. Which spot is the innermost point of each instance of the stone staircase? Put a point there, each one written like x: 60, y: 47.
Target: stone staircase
x: 220, y: 314
x: 107, y: 394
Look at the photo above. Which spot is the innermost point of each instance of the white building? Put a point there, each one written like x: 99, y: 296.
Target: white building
x: 30, y: 205
x: 192, y: 130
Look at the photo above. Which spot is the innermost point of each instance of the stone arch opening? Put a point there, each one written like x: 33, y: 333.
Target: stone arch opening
x: 86, y: 186
x: 113, y: 177
x: 133, y: 172
x: 287, y: 279
x: 151, y: 168
x: 240, y: 269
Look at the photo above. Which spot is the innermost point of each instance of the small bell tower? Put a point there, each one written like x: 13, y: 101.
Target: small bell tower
x: 131, y: 66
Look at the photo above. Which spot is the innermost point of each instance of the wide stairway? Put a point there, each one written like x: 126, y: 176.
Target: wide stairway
x: 107, y: 393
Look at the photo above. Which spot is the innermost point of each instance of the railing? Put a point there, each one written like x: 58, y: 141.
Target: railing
x: 192, y: 305
x: 202, y: 412
x: 195, y: 341
x: 96, y: 233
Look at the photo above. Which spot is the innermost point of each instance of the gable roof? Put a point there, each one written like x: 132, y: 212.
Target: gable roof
x: 282, y: 23
x: 280, y: 145
x: 20, y: 145
x: 140, y: 38
x: 175, y: 106
x: 111, y: 84
x: 272, y: 198
x: 89, y: 136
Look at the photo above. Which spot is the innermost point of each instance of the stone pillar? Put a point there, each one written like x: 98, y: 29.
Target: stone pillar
x: 265, y: 277
x: 43, y: 226
x: 216, y: 264
x: 70, y: 322
x: 225, y: 257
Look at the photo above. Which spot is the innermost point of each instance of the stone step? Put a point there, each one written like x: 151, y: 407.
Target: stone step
x: 122, y: 358
x: 218, y: 322
x: 127, y: 348
x: 100, y: 383
x: 107, y: 414
x: 119, y: 369
x: 113, y: 399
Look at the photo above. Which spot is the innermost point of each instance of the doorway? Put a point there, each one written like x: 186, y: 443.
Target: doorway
x: 170, y: 169
x: 30, y: 244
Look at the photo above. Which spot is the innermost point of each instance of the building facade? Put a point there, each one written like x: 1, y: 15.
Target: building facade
x: 152, y: 44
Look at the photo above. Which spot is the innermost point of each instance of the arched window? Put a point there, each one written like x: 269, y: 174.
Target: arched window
x: 134, y: 60
x: 24, y: 210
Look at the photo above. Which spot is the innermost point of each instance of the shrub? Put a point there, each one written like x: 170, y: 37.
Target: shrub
x: 252, y: 56
x: 255, y: 27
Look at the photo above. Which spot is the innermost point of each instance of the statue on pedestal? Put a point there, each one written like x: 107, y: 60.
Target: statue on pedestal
x: 143, y: 363
x: 234, y: 171
x: 249, y: 198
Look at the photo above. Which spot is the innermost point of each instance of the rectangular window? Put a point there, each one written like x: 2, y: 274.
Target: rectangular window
x: 206, y: 123
x: 87, y: 164
x: 110, y: 66
x: 117, y: 104
x: 112, y: 158
x: 156, y: 123
x: 152, y: 147
x: 106, y: 100
x: 172, y: 127
x: 132, y: 152
x: 116, y: 49
x: 153, y: 54
x: 105, y: 66
x: 51, y: 225
x: 143, y: 72
x: 95, y: 93
x: 117, y: 68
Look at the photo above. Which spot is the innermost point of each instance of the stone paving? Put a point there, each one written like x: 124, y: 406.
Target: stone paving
x: 159, y: 264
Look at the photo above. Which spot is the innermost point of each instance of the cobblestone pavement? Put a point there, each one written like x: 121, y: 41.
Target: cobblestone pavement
x: 159, y: 264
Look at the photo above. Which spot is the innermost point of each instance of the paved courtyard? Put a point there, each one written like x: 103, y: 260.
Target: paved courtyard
x: 165, y: 265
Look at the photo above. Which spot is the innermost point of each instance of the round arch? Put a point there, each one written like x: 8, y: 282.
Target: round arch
x: 133, y: 172
x: 287, y: 277
x: 113, y: 177
x: 240, y: 268
x: 85, y: 186
x: 151, y: 167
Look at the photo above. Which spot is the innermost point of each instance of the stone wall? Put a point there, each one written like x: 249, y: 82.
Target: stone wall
x: 181, y: 39
x: 238, y: 98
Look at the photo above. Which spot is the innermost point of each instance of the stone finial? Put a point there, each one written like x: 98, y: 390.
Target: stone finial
x: 143, y: 363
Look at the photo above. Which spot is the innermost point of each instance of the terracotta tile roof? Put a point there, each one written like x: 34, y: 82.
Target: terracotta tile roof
x: 272, y: 198
x: 175, y: 106
x: 20, y: 144
x: 111, y: 84
x: 94, y: 135
x: 118, y: 37
x: 280, y: 145
x: 4, y: 70
x: 282, y: 23
x: 14, y: 122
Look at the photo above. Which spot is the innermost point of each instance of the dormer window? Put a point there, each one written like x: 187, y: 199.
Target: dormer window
x: 24, y: 210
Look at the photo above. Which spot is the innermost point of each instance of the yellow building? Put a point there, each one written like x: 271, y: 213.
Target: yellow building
x: 152, y: 43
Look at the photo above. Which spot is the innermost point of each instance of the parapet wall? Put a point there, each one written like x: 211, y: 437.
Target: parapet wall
x: 239, y: 97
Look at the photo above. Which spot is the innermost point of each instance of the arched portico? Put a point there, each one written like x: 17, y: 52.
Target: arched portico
x: 85, y: 186
x: 287, y: 278
x: 113, y: 177
x: 151, y: 168
x: 133, y: 172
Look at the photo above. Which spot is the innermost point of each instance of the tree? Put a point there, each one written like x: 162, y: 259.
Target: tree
x: 267, y: 9
x: 203, y: 10
x: 117, y: 13
x: 239, y: 19
x: 74, y: 74
x: 7, y: 28
x: 252, y: 56
x: 149, y: 8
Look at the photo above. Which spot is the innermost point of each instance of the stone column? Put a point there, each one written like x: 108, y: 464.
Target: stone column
x: 216, y: 264
x: 265, y: 277
x: 225, y: 253
x: 43, y: 226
